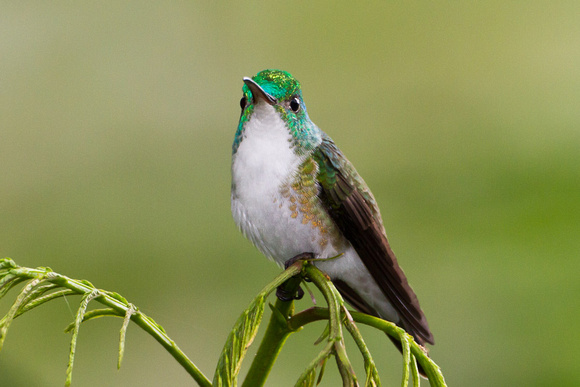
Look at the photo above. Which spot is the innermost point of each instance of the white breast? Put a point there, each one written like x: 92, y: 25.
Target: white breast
x: 264, y: 158
x: 264, y: 161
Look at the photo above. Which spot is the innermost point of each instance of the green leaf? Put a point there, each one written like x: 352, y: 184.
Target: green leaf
x: 308, y: 376
x: 415, y: 369
x: 238, y: 341
x: 406, y: 358
x: 344, y: 366
x: 321, y: 372
x: 93, y: 314
x: 372, y: 374
x: 324, y: 335
x: 8, y: 281
x: 118, y: 297
x: 37, y: 293
x: 244, y: 332
x: 431, y: 369
x: 123, y: 332
x: 41, y: 300
x: 78, y: 320
x: 6, y: 263
x: 7, y: 320
x: 335, y: 337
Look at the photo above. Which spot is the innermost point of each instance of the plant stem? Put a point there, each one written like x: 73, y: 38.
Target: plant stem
x: 274, y: 338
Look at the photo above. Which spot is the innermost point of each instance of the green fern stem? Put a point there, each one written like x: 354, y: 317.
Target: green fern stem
x: 275, y: 336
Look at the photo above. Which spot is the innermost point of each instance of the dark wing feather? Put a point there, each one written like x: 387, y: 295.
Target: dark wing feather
x: 354, y: 211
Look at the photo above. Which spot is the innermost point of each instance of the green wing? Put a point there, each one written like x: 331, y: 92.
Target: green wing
x: 354, y: 210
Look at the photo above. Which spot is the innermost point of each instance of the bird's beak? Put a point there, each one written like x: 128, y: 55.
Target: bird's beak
x: 259, y: 93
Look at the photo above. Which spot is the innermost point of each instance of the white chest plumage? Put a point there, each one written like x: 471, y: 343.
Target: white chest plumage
x: 263, y: 163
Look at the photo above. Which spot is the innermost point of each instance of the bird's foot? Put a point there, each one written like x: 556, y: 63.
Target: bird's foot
x: 285, y: 295
x: 289, y: 290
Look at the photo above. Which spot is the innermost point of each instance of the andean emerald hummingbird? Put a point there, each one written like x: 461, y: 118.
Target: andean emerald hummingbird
x: 294, y: 192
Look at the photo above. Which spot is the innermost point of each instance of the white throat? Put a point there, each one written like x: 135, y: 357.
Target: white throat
x: 264, y: 159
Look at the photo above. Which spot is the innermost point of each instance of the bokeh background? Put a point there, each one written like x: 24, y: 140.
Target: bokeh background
x: 116, y: 124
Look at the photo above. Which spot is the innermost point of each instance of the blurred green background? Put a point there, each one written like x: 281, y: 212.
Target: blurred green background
x: 116, y: 124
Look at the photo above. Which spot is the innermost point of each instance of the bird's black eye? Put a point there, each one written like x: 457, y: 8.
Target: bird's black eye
x: 243, y: 103
x: 295, y: 104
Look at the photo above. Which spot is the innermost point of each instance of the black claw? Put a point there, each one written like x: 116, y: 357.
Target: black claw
x: 285, y: 295
x: 299, y: 293
x: 291, y: 290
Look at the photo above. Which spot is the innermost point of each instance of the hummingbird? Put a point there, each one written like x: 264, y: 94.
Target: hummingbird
x: 294, y: 192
